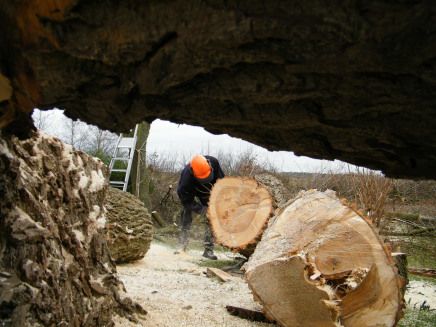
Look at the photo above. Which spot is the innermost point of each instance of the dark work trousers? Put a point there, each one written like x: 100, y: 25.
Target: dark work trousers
x: 186, y: 222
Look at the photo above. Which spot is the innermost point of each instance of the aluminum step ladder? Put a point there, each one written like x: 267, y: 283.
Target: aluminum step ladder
x: 124, y: 152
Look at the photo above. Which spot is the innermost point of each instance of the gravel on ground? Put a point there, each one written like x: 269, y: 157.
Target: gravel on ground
x: 175, y: 291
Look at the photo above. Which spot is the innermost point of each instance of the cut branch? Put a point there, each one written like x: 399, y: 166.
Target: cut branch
x: 426, y: 272
x: 248, y: 314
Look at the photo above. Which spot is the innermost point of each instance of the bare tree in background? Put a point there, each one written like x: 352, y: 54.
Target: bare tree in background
x: 42, y: 119
x: 88, y: 138
x: 75, y: 133
x: 99, y: 143
x: 371, y: 191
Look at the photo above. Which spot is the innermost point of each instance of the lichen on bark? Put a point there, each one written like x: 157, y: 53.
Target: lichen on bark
x: 55, y: 267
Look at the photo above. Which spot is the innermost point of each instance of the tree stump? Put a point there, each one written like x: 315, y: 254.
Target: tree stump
x: 129, y: 228
x: 239, y: 209
x: 320, y: 263
x: 55, y: 269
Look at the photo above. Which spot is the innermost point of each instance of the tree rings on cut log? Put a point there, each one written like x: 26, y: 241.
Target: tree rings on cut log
x: 321, y: 264
x: 239, y: 209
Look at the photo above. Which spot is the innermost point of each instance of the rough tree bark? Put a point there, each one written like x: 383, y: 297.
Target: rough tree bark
x: 129, y: 228
x: 55, y: 267
x: 320, y: 263
x: 325, y: 79
x: 140, y: 177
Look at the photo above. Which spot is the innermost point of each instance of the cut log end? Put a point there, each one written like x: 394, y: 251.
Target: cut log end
x: 304, y: 302
x: 320, y: 264
x: 293, y: 294
x: 239, y: 209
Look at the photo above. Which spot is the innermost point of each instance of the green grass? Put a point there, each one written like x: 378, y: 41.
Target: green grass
x: 165, y: 240
x: 216, y: 263
x: 420, y: 250
x: 418, y: 318
x: 422, y: 279
x: 171, y: 230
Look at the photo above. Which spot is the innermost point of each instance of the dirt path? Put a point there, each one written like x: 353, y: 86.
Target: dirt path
x: 175, y: 292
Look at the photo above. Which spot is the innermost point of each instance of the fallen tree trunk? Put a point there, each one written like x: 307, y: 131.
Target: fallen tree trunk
x: 239, y: 209
x: 427, y: 272
x: 400, y: 260
x: 129, y: 229
x: 55, y: 268
x: 319, y: 263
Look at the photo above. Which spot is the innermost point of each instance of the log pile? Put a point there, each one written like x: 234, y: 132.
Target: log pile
x: 129, y: 228
x: 318, y: 263
x: 55, y: 269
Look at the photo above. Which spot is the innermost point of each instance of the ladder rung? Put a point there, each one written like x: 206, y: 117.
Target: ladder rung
x: 124, y: 144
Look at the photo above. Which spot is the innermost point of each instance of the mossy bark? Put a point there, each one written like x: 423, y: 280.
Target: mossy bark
x: 140, y: 176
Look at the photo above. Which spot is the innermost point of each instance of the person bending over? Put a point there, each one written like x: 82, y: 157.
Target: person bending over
x: 195, y: 184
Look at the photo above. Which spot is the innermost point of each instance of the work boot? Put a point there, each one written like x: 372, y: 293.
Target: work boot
x: 183, y: 242
x: 209, y: 254
x: 181, y: 248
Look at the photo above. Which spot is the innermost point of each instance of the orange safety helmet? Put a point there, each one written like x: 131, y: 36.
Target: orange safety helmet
x: 201, y: 168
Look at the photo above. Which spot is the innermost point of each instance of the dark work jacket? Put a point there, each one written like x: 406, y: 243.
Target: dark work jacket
x: 189, y: 187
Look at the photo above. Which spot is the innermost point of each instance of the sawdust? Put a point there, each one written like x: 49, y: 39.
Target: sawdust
x: 419, y: 291
x: 176, y: 292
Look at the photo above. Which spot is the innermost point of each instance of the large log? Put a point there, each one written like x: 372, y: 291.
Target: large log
x: 400, y: 260
x: 239, y: 210
x: 239, y: 224
x: 129, y: 228
x: 325, y: 79
x: 275, y: 187
x: 55, y: 269
x: 320, y: 263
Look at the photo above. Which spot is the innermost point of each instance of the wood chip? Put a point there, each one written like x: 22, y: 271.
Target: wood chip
x: 221, y: 275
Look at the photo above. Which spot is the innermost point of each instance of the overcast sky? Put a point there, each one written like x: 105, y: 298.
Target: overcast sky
x: 183, y: 141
